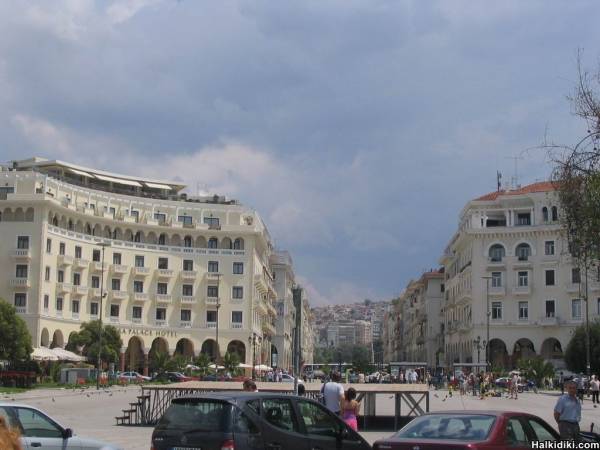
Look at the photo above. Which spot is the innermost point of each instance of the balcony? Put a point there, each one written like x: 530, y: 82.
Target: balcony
x: 81, y: 263
x: 211, y: 324
x: 187, y: 299
x: 189, y: 274
x: 497, y: 291
x: 164, y: 298
x: 64, y: 260
x: 522, y: 263
x: 268, y: 328
x: 114, y: 319
x: 522, y: 290
x: 136, y: 320
x: 75, y: 316
x: 119, y: 295
x: 20, y: 282
x: 463, y: 327
x: 94, y: 292
x: 63, y: 287
x: 185, y: 324
x: 212, y: 300
x: 96, y: 266
x: 237, y: 325
x: 141, y: 271
x: 213, y: 277
x: 496, y: 262
x: 548, y: 321
x: 22, y: 253
x: 164, y: 273
x: 80, y: 290
x: 160, y: 323
x: 575, y: 288
x: 140, y: 296
x: 119, y: 269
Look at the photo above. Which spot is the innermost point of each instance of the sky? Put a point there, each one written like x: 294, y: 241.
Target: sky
x: 357, y: 129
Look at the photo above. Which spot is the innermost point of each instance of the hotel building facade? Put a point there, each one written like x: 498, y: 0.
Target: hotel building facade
x: 172, y: 273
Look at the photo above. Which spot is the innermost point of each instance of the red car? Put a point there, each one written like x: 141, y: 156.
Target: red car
x: 473, y: 430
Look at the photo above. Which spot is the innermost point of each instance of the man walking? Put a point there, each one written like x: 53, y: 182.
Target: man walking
x: 595, y: 388
x: 333, y: 393
x: 567, y: 413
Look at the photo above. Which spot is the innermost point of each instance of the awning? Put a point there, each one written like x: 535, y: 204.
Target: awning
x: 80, y: 172
x: 66, y: 355
x: 43, y: 354
x: 158, y: 186
x: 118, y: 180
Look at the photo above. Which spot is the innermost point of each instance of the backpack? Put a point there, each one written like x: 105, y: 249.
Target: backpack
x: 322, y: 396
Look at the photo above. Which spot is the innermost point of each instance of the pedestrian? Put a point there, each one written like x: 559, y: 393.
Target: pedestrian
x: 561, y: 381
x: 301, y: 390
x: 333, y: 393
x: 9, y: 436
x: 580, y: 387
x: 567, y: 413
x: 595, y: 388
x: 350, y: 408
x: 514, y: 386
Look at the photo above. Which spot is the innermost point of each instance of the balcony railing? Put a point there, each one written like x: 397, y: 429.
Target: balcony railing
x: 136, y: 320
x: 237, y: 325
x: 213, y: 277
x: 119, y: 295
x: 64, y: 287
x: 164, y: 298
x: 65, y: 260
x: 22, y: 253
x: 497, y: 290
x: 94, y: 292
x: 185, y: 324
x: 187, y: 299
x: 140, y: 296
x: 160, y: 323
x: 20, y: 282
x: 189, y: 274
x: 141, y: 271
x: 212, y: 300
x: 164, y: 273
x: 549, y: 321
x: 522, y: 290
x: 119, y: 269
x: 81, y: 263
x: 80, y: 290
x: 211, y: 324
x: 96, y: 266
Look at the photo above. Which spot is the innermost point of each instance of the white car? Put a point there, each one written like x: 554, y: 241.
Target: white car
x: 286, y: 378
x: 133, y: 376
x: 40, y: 431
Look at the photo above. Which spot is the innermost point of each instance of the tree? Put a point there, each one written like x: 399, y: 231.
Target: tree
x: 360, y: 359
x: 575, y: 353
x: 202, y: 362
x: 536, y: 369
x: 159, y: 361
x: 88, y: 340
x: 176, y: 363
x: 231, y: 362
x: 15, y: 340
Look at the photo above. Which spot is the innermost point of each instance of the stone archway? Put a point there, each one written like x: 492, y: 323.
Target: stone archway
x: 45, y: 338
x: 498, y: 354
x: 160, y: 346
x: 523, y: 349
x: 209, y: 347
x: 57, y: 340
x: 274, y: 356
x: 239, y: 348
x: 134, y: 355
x: 185, y: 347
x: 552, y: 350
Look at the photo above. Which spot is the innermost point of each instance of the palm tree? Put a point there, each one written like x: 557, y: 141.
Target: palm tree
x: 231, y: 361
x: 202, y: 362
x: 159, y: 361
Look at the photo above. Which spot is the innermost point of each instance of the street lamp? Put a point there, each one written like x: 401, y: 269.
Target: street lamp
x: 487, y: 314
x: 103, y: 245
x: 252, y: 341
x: 218, y: 275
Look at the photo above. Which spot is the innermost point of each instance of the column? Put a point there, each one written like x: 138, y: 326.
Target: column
x: 122, y: 360
x: 146, y: 364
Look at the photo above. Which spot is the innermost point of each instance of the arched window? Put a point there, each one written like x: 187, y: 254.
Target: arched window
x: 554, y: 214
x: 497, y: 252
x: 545, y: 214
x: 55, y: 221
x: 162, y: 239
x: 137, y: 237
x: 70, y: 225
x: 523, y: 252
x: 187, y: 241
x: 238, y: 244
x: 213, y: 243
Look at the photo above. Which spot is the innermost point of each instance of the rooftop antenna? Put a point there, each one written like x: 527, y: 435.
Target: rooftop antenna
x: 499, y: 180
x: 514, y: 180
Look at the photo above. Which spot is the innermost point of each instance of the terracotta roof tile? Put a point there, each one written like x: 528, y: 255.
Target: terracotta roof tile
x: 542, y: 186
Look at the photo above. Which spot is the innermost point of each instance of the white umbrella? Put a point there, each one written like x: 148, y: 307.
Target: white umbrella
x: 66, y: 355
x: 212, y: 366
x: 262, y: 368
x: 192, y: 367
x: 244, y: 366
x: 43, y: 354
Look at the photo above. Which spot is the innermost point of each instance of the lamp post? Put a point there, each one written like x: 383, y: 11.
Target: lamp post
x: 252, y: 341
x: 218, y: 355
x: 103, y: 245
x: 487, y: 314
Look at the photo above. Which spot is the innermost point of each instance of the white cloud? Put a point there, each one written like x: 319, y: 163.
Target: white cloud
x: 123, y: 10
x: 43, y: 135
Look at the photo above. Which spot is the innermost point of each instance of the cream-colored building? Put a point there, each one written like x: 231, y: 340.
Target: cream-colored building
x: 177, y: 270
x: 509, y: 249
x: 283, y: 271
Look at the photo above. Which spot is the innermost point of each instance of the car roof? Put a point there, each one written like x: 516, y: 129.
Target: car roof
x: 234, y: 396
x: 463, y: 412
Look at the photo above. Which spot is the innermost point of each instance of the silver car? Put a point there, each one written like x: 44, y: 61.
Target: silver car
x: 40, y: 431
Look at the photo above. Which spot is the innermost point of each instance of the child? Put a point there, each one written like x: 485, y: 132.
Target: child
x: 349, y: 408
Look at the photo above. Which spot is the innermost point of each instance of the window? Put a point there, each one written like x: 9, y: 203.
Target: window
x: 59, y: 303
x: 213, y: 243
x: 497, y: 252
x: 550, y: 308
x: 523, y: 219
x: 163, y: 263
x: 160, y: 217
x: 93, y: 309
x: 186, y: 220
x: 188, y: 265
x: 213, y: 266
x: 279, y: 413
x: 523, y: 279
x: 187, y: 289
x: 23, y: 242
x: 523, y: 252
x: 187, y: 241
x: 48, y: 245
x: 162, y: 239
x: 139, y: 261
x: 545, y: 214
x: 161, y: 313
x: 116, y: 284
x: 575, y: 275
x: 550, y: 280
x: 78, y: 252
x: 20, y: 300
x: 114, y: 310
x: 238, y: 268
x: 554, y: 214
x: 237, y: 292
x: 496, y: 279
x: 576, y: 308
x: 75, y: 306
x: 60, y: 276
x: 186, y: 315
x: 317, y: 420
x: 212, y: 222
x: 96, y: 255
x: 138, y: 286
x: 46, y: 301
x: 541, y: 431
x: 76, y: 279
x: 549, y: 248
x: 496, y: 310
x: 212, y: 291
x: 236, y: 316
x: 238, y: 244
x: 61, y: 248
x: 117, y: 258
x: 95, y: 281
x: 37, y: 425
x: 47, y: 273
x: 523, y: 310
x: 137, y: 237
x: 515, y: 434
x: 21, y: 271
x: 211, y: 316
x: 161, y: 288
x: 136, y: 312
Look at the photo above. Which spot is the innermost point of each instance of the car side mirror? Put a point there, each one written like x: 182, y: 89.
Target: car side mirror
x: 67, y: 433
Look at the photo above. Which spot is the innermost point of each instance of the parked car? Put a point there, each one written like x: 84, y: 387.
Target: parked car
x: 244, y: 421
x: 133, y: 377
x: 175, y: 377
x: 39, y: 430
x: 473, y: 430
x: 287, y: 378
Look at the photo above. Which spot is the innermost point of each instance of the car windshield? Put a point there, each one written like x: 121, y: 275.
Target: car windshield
x: 196, y: 415
x: 475, y: 427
